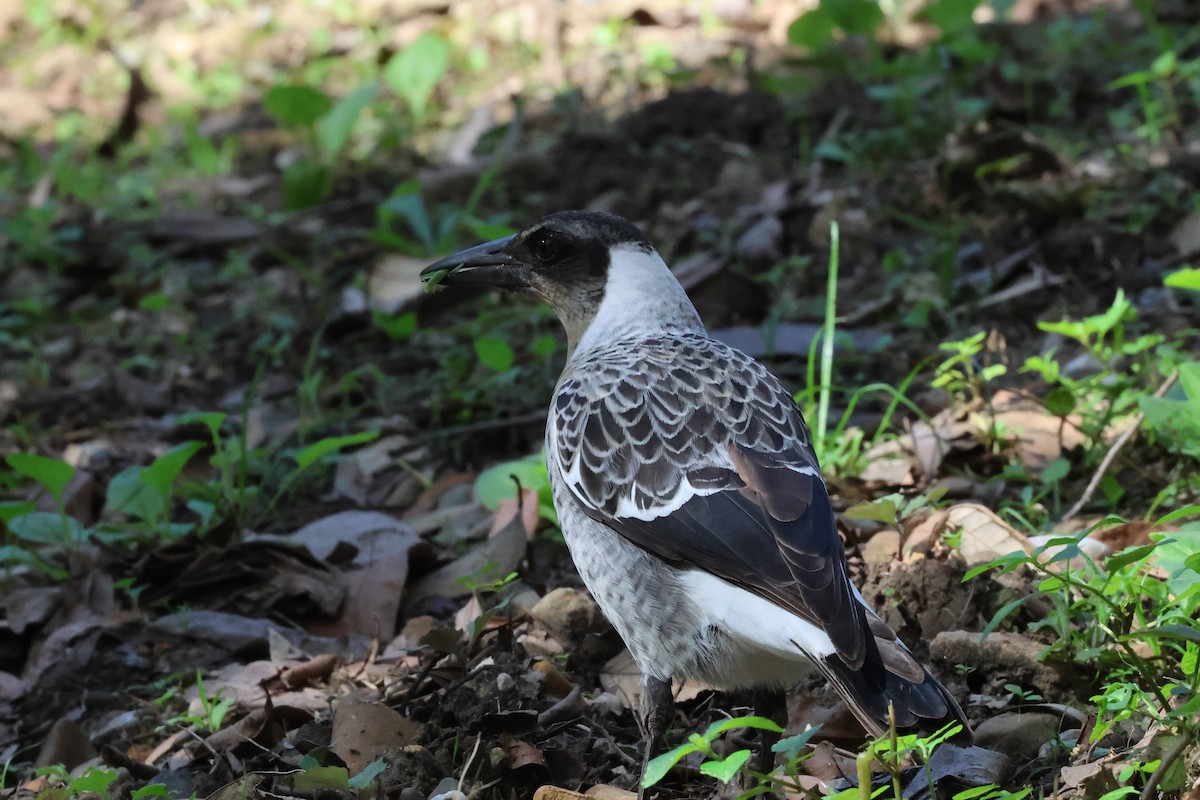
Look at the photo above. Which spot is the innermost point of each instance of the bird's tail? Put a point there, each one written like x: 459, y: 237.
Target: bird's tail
x: 891, y: 675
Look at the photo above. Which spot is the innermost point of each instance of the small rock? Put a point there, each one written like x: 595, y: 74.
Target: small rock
x: 1004, y: 657
x: 569, y: 614
x: 1019, y: 736
x: 447, y: 789
x: 1185, y: 237
x: 882, y: 548
x: 504, y: 682
x: 761, y: 240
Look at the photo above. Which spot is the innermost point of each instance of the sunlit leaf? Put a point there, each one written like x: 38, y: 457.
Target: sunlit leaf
x: 296, y: 105
x: 725, y: 769
x: 334, y: 129
x: 414, y: 72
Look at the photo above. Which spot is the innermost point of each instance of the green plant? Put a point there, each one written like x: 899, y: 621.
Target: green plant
x: 1157, y: 89
x: 1175, y: 418
x: 960, y: 374
x: 212, y: 712
x: 414, y: 72
x: 325, y: 127
x: 503, y: 481
x: 892, y: 752
x: 315, y: 776
x: 1024, y: 695
x: 403, y: 222
x: 724, y: 768
x: 1137, y: 632
x: 841, y: 450
x: 232, y: 493
x: 894, y: 508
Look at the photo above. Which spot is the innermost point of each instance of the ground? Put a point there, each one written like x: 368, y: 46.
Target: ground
x: 262, y: 536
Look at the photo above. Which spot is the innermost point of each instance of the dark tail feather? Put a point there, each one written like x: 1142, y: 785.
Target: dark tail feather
x: 921, y: 701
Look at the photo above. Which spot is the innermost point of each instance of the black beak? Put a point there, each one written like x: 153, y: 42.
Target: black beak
x: 483, y: 265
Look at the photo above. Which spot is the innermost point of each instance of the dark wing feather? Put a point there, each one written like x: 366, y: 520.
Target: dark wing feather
x: 713, y: 428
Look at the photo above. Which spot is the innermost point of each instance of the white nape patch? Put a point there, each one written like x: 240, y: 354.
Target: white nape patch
x: 745, y: 616
x: 640, y: 294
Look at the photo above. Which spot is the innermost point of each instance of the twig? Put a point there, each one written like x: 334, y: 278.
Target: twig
x: 1116, y: 448
x: 1168, y: 760
x: 817, y: 167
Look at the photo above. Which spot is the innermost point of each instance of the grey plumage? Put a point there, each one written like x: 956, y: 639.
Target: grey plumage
x: 687, y: 487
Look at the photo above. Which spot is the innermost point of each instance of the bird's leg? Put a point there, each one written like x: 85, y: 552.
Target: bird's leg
x: 772, y: 704
x: 658, y: 704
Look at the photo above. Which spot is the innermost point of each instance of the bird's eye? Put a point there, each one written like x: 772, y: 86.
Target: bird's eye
x: 545, y: 248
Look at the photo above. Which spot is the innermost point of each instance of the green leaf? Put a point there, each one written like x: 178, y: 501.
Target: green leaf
x: 334, y: 129
x: 332, y: 444
x: 813, y: 29
x: 659, y: 766
x: 1055, y: 471
x: 725, y: 769
x: 1189, y: 379
x: 495, y: 354
x: 11, y: 509
x: 45, y: 527
x: 94, y: 780
x: 792, y: 745
x: 129, y: 493
x: 1126, y: 557
x: 1003, y: 613
x: 296, y: 105
x: 544, y: 345
x: 1060, y: 401
x: 414, y: 72
x: 880, y: 511
x: 153, y: 302
x: 163, y: 471
x: 1188, y: 664
x: 1179, y: 555
x: 1173, y: 632
x: 151, y: 790
x: 363, y: 779
x: 735, y: 723
x: 1123, y: 791
x: 496, y: 483
x: 213, y: 420
x: 316, y: 778
x: 395, y: 327
x: 952, y: 16
x: 1186, y: 278
x: 305, y: 184
x: 859, y: 17
x: 49, y: 472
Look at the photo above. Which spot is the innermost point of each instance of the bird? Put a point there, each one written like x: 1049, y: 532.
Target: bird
x: 688, y: 490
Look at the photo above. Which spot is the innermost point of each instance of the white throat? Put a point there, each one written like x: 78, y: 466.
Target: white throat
x: 640, y: 295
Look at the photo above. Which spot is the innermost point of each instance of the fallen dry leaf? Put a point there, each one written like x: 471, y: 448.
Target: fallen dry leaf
x: 501, y: 554
x: 603, y: 791
x: 984, y: 535
x: 364, y: 730
x: 1039, y: 437
x: 519, y: 753
x: 312, y: 670
x: 65, y: 744
x: 928, y: 447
